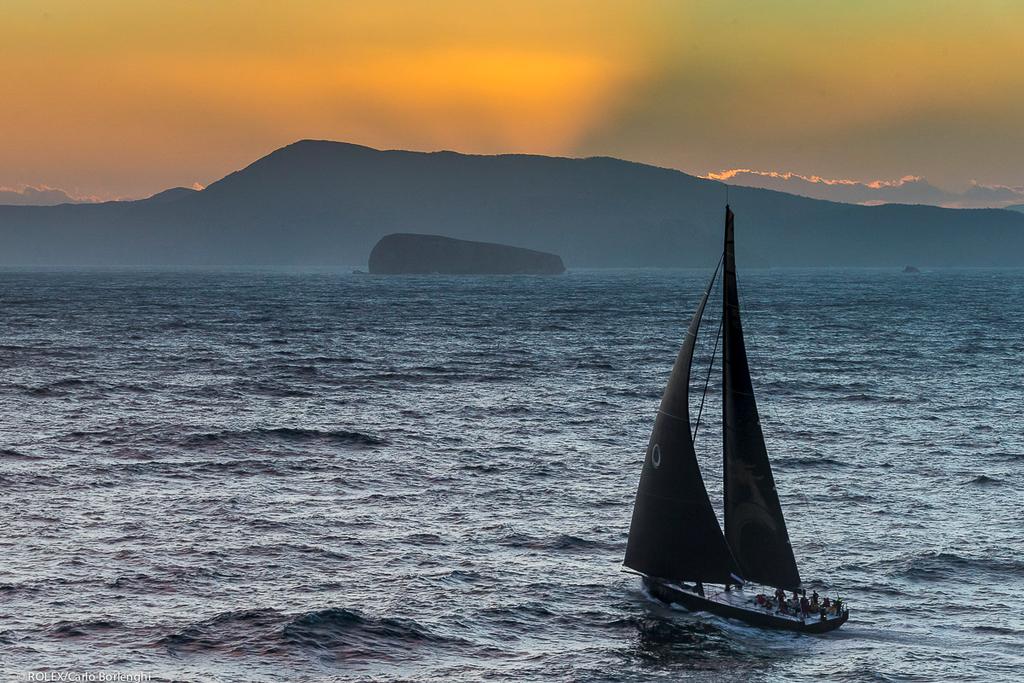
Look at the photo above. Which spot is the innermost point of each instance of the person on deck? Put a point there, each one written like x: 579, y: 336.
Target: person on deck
x: 805, y: 606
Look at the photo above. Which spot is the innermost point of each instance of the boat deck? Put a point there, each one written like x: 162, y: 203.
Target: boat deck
x: 745, y: 599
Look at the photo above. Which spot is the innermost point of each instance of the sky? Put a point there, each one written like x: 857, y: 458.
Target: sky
x: 111, y: 99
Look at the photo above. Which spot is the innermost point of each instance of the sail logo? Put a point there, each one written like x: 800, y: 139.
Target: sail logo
x: 656, y: 456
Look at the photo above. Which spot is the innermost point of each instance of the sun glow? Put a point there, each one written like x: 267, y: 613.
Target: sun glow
x: 122, y: 98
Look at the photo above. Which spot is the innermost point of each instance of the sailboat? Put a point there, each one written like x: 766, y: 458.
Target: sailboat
x: 676, y: 543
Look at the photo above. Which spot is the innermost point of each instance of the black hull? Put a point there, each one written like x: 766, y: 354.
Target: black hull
x: 754, y: 616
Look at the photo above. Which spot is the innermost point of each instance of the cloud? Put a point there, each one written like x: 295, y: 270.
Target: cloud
x: 41, y: 195
x: 910, y: 189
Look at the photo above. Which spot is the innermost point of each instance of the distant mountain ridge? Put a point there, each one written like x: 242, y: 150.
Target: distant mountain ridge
x: 327, y: 203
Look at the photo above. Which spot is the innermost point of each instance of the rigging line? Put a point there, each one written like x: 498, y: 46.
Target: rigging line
x: 707, y: 378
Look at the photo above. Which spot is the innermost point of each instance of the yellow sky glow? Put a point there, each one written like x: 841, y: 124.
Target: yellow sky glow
x: 126, y: 98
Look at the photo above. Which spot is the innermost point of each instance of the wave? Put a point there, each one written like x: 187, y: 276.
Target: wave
x: 287, y: 434
x: 595, y: 364
x: 11, y: 454
x: 18, y: 588
x: 429, y: 375
x: 355, y: 634
x: 343, y: 360
x: 71, y: 382
x: 813, y: 462
x: 423, y: 539
x: 564, y: 542
x: 29, y: 479
x: 336, y: 631
x: 636, y: 393
x: 61, y: 387
x: 508, y: 448
x: 284, y: 549
x: 300, y: 370
x: 517, y: 617
x: 462, y: 576
x: 481, y: 467
x: 514, y: 410
x: 942, y: 565
x: 998, y: 630
x: 237, y: 632
x: 137, y: 582
x: 242, y: 468
x: 1006, y: 455
x: 868, y: 398
x: 78, y: 629
x: 985, y: 480
x: 652, y: 632
x: 266, y: 389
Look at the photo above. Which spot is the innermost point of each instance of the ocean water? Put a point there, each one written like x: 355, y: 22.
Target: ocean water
x: 284, y: 475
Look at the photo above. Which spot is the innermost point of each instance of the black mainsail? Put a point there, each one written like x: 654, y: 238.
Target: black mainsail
x: 674, y: 533
x: 754, y: 526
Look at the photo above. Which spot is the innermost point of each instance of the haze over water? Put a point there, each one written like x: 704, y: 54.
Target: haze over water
x: 269, y: 475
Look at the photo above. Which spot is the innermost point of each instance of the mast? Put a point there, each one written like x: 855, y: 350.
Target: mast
x: 674, y: 533
x: 754, y: 526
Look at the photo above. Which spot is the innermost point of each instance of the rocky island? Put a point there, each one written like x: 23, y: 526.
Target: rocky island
x: 407, y: 253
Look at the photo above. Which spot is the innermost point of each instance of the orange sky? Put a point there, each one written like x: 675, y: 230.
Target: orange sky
x: 126, y: 98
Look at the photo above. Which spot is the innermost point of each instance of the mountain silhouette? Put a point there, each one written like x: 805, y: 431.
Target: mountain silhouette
x: 328, y: 203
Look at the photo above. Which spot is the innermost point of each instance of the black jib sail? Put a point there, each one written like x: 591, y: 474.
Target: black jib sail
x: 674, y: 533
x: 754, y: 526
